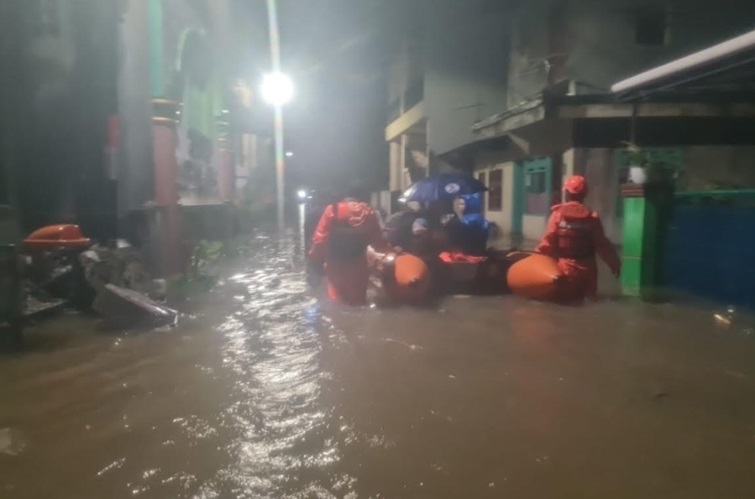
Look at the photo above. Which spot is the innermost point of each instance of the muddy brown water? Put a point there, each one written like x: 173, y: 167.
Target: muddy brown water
x: 264, y: 391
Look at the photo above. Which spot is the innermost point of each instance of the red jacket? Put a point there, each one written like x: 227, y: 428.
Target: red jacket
x: 357, y: 218
x: 575, y: 232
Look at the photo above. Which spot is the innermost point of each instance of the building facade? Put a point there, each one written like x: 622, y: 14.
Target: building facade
x: 561, y: 119
x: 122, y: 111
x: 440, y: 83
x: 58, y: 70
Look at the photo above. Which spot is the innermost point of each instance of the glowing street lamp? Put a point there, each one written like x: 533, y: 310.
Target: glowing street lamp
x: 277, y: 89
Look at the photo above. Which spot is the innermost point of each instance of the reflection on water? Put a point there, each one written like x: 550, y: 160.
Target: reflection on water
x: 267, y: 392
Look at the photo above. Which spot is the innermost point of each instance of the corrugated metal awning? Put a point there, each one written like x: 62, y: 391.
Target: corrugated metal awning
x: 726, y: 66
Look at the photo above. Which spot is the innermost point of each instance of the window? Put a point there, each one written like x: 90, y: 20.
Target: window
x: 536, y: 188
x: 651, y: 24
x: 495, y: 193
x: 483, y: 177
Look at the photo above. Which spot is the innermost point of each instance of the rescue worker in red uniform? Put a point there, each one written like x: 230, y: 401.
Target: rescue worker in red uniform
x: 574, y: 236
x: 340, y: 242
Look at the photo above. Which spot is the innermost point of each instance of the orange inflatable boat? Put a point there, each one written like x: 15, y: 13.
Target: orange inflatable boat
x: 535, y: 277
x: 522, y: 273
x: 63, y: 236
x: 403, y: 278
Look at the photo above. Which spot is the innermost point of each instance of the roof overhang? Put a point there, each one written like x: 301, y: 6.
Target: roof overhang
x: 463, y: 157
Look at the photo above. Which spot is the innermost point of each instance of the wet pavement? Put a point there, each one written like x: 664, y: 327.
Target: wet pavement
x: 264, y: 391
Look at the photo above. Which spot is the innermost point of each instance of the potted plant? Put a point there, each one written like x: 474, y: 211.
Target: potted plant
x: 637, y: 163
x: 648, y: 168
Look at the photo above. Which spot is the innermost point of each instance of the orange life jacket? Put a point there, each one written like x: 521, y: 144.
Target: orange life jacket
x: 347, y: 239
x: 575, y: 232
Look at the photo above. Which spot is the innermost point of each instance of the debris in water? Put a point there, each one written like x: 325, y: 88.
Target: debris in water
x: 125, y: 308
x: 726, y: 319
x: 112, y: 466
x: 721, y: 320
x: 12, y: 442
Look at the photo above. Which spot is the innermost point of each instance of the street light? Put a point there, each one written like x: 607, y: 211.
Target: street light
x: 277, y: 89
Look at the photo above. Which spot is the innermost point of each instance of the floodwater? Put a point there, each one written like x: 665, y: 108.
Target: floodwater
x: 264, y: 391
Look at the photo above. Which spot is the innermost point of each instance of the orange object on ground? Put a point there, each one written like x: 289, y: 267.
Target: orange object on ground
x: 574, y: 236
x: 412, y: 279
x: 63, y: 236
x: 340, y: 241
x: 404, y: 278
x: 457, y: 257
x: 535, y: 277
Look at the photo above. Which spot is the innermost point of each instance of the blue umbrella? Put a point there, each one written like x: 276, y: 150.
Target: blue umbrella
x: 441, y: 187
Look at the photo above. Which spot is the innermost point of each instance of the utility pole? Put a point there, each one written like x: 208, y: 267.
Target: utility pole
x: 280, y: 159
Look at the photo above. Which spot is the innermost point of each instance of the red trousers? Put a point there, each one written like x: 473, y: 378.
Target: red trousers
x: 581, y: 279
x: 347, y: 281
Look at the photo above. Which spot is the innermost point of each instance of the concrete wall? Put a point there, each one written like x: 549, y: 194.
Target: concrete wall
x: 603, y: 34
x: 15, y: 96
x: 403, y: 71
x: 528, y: 70
x: 593, y: 41
x: 533, y: 227
x: 508, y: 196
x: 545, y: 138
x: 717, y: 167
x: 57, y: 72
x: 135, y: 171
x: 396, y: 168
x: 600, y: 169
x: 465, y: 71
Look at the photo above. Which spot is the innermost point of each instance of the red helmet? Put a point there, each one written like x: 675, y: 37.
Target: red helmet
x: 576, y: 185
